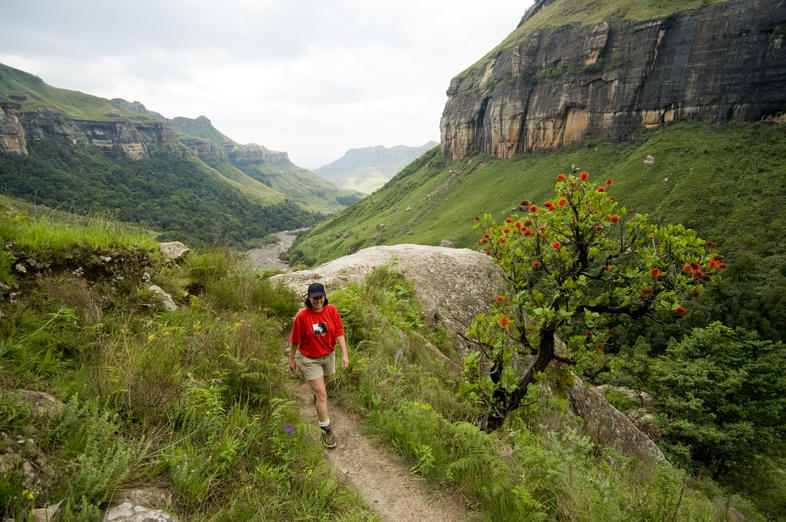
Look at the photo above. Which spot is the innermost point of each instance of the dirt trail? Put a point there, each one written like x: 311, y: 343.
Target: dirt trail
x: 383, y: 480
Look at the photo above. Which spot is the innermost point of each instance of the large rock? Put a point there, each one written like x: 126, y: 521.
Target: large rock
x: 607, y: 425
x: 452, y: 284
x: 561, y: 84
x: 12, y: 134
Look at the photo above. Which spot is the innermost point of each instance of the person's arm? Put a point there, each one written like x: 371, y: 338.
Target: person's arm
x: 292, y: 351
x: 344, y: 356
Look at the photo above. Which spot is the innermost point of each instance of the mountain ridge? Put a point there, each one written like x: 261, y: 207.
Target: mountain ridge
x: 367, y: 168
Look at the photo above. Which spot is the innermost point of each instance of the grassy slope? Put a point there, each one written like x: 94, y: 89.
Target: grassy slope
x: 73, y: 104
x: 701, y: 178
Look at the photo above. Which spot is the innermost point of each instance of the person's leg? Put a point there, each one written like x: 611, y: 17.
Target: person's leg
x: 320, y: 394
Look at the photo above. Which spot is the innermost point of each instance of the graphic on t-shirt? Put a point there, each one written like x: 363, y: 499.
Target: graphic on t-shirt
x: 320, y: 328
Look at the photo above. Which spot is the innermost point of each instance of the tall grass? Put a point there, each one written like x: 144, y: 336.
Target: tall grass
x: 192, y: 399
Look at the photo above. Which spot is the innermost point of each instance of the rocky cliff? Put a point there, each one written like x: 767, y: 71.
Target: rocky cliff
x: 724, y: 62
x: 12, y: 135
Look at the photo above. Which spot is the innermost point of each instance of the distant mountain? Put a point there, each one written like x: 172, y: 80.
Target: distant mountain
x: 366, y: 169
x: 182, y: 176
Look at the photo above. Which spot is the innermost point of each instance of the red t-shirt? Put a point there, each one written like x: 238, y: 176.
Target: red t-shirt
x: 315, y: 333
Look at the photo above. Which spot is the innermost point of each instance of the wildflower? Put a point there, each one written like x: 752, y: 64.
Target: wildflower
x: 484, y: 240
x: 504, y: 321
x: 680, y: 311
x: 561, y: 177
x: 533, y: 208
x: 717, y: 257
x: 528, y: 223
x: 608, y: 268
x: 562, y: 202
x: 614, y: 218
x: 542, y: 229
x: 655, y: 273
x: 598, y: 228
x: 600, y: 347
x: 687, y: 268
x: 713, y: 264
x: 517, y: 224
x: 488, y: 252
x: 503, y: 239
x: 536, y: 264
x: 609, y: 182
x: 601, y: 189
x: 506, y: 230
x: 477, y: 218
x: 525, y: 203
x: 646, y: 291
x: 711, y: 244
x: 589, y: 334
x: 528, y: 232
x: 509, y: 220
x: 499, y: 299
x: 397, y: 376
x: 310, y: 471
x: 556, y: 245
x: 584, y: 176
x: 721, y: 266
x: 150, y: 337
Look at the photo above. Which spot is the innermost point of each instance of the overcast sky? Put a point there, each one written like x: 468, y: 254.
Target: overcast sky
x: 312, y: 78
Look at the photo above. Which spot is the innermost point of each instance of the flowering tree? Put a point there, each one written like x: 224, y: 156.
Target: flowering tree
x: 573, y: 265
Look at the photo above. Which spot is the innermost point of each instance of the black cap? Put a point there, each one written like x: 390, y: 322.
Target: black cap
x: 316, y: 289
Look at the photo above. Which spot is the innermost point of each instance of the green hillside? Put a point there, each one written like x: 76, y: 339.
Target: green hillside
x: 34, y: 94
x: 727, y: 183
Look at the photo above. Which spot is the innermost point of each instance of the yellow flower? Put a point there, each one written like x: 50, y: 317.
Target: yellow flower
x: 310, y: 472
x: 150, y: 337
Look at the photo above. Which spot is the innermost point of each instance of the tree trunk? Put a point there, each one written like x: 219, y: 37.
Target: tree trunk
x: 506, y: 402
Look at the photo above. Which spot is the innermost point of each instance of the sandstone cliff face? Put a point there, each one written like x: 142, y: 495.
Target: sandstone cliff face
x: 722, y: 63
x: 12, y: 135
x: 16, y: 128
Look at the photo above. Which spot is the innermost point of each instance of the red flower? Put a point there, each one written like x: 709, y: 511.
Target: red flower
x: 608, y: 268
x: 589, y: 334
x: 612, y: 198
x: 646, y: 291
x: 543, y: 229
x: 601, y: 189
x: 536, y: 264
x: 584, y: 176
x: 562, y: 202
x: 717, y: 257
x: 503, y: 239
x: 477, y: 218
x: 506, y: 230
x: 517, y: 224
x: 711, y: 244
x: 609, y: 182
x: 488, y: 252
x: 484, y: 240
x: 600, y: 347
x: 509, y: 220
x: 614, y: 218
x: 561, y: 177
x: 655, y: 273
x: 499, y: 299
x: 556, y: 244
x: 505, y: 320
x: 528, y: 222
x: 525, y: 203
x: 528, y: 232
x: 713, y: 264
x: 533, y: 208
x: 722, y: 266
x: 598, y: 228
x: 687, y: 268
x: 680, y: 311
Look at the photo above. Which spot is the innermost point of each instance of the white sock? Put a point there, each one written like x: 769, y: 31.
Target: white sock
x: 324, y: 424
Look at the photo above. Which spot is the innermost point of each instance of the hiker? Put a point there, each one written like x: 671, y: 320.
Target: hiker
x: 317, y: 328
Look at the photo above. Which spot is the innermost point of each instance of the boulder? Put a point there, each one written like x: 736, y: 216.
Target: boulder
x: 606, y: 425
x: 166, y: 299
x: 174, y: 250
x: 128, y: 512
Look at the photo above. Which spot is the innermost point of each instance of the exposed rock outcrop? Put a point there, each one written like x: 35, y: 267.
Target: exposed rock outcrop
x: 452, y: 284
x: 12, y: 134
x: 724, y: 62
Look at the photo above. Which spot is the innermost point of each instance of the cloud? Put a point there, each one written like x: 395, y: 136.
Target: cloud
x: 313, y: 78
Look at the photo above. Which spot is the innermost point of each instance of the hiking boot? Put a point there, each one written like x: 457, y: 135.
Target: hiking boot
x: 328, y: 439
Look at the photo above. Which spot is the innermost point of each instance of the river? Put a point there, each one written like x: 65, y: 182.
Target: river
x: 267, y: 256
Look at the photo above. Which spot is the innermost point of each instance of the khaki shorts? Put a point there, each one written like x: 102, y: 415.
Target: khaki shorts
x: 313, y: 369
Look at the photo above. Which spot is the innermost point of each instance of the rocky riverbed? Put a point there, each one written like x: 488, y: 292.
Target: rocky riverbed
x: 267, y: 257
